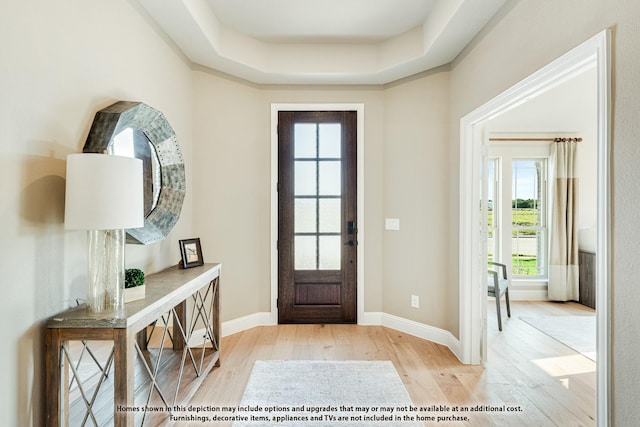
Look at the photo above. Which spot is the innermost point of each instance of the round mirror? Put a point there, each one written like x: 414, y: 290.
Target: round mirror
x: 133, y: 143
x: 134, y: 129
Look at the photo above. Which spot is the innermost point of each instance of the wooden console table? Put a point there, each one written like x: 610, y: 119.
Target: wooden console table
x: 167, y: 293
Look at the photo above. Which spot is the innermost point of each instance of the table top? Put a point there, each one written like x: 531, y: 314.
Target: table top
x: 164, y: 290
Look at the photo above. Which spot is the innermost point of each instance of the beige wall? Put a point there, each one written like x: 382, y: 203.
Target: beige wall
x: 415, y: 174
x: 232, y: 185
x: 60, y: 62
x: 233, y: 173
x: 405, y: 129
x: 528, y: 35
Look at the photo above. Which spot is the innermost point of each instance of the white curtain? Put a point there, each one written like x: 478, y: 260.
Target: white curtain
x: 563, y: 256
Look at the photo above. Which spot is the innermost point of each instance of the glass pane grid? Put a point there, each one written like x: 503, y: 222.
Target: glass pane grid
x: 317, y: 196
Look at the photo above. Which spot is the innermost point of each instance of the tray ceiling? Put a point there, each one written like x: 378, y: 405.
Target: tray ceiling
x: 321, y: 41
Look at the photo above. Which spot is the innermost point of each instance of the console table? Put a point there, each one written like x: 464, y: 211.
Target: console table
x: 169, y: 294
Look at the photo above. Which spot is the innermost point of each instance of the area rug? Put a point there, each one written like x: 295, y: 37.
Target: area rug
x: 576, y: 332
x: 324, y: 393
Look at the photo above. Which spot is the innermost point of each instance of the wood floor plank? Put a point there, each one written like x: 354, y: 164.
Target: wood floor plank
x: 432, y: 374
x: 551, y: 383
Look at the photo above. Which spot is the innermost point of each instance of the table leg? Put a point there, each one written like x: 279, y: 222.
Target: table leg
x: 215, y: 314
x: 179, y: 316
x: 52, y: 378
x: 124, y: 358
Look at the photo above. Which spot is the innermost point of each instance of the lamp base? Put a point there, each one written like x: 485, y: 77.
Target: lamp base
x: 105, y: 294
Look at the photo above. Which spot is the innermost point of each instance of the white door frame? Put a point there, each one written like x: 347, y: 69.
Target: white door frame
x: 595, y: 52
x: 359, y: 109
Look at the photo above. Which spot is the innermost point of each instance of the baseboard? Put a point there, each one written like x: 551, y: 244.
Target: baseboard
x: 234, y: 326
x: 240, y: 324
x: 417, y: 329
x: 516, y: 294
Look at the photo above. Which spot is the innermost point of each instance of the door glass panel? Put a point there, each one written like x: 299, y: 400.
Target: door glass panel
x: 305, y: 140
x: 305, y: 178
x: 305, y: 215
x: 330, y: 211
x: 317, y: 191
x: 330, y: 178
x: 330, y: 252
x: 305, y: 252
x: 330, y: 140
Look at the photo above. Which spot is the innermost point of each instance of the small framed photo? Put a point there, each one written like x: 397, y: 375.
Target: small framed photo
x: 191, y: 252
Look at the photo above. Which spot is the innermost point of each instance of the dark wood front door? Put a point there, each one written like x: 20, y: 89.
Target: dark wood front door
x: 317, y: 230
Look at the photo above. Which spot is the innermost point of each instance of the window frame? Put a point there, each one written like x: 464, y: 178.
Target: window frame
x: 505, y: 153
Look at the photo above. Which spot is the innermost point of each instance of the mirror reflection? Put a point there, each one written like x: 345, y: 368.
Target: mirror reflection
x: 134, y: 143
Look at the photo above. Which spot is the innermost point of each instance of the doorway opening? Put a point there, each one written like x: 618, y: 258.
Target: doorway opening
x: 595, y: 52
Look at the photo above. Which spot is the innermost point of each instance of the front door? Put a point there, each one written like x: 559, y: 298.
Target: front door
x: 317, y: 230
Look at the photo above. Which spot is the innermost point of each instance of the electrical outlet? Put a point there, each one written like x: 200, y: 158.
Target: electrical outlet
x: 415, y: 301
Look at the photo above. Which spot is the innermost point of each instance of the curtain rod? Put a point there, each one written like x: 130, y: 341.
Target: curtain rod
x: 538, y: 139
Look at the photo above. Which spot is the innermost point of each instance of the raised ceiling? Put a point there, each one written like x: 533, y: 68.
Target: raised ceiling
x: 321, y: 41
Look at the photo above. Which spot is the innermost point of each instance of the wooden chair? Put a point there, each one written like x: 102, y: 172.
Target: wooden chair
x: 498, y: 286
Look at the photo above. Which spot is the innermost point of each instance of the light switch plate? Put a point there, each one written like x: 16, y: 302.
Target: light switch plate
x: 392, y: 224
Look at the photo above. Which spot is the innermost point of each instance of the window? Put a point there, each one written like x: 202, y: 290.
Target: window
x: 529, y: 218
x: 518, y: 209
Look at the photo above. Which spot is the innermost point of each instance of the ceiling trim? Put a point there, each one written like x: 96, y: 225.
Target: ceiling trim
x: 200, y: 35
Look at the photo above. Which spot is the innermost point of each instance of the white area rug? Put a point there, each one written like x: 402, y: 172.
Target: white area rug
x: 325, y: 393
x: 576, y: 332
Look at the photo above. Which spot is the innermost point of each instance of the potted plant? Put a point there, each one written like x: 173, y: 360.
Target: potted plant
x: 134, y: 288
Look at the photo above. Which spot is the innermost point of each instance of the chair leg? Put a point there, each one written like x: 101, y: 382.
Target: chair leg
x: 506, y: 297
x: 498, y: 312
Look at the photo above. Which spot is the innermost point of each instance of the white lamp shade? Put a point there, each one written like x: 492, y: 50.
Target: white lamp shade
x: 103, y: 192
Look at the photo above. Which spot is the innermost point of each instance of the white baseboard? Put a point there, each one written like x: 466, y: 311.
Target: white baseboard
x: 516, y: 294
x: 417, y: 329
x: 240, y: 324
x: 234, y: 326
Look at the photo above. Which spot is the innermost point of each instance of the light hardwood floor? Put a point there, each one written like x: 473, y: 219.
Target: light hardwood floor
x: 552, y: 384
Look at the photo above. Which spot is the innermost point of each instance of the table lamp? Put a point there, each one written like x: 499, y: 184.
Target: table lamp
x: 104, y: 195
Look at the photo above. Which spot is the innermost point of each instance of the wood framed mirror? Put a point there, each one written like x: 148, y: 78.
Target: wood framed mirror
x: 134, y: 129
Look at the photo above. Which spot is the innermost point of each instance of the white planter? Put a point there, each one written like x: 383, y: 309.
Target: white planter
x: 133, y: 294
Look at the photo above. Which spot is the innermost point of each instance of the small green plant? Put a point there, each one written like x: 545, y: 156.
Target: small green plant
x: 133, y: 277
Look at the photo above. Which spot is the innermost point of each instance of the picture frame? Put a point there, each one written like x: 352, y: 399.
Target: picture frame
x: 191, y: 253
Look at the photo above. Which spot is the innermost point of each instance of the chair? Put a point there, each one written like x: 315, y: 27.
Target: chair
x: 498, y: 286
